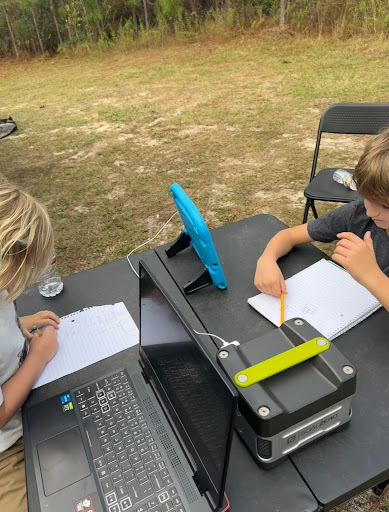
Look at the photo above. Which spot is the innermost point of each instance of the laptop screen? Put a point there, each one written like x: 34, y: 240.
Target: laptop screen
x: 200, y: 402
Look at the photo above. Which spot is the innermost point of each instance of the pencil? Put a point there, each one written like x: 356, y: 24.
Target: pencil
x: 35, y: 329
x: 282, y: 308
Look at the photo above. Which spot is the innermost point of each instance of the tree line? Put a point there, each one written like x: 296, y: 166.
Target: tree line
x: 48, y: 26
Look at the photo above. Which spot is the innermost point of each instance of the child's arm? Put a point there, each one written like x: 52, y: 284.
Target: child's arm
x: 268, y: 276
x: 15, y: 390
x: 358, y: 258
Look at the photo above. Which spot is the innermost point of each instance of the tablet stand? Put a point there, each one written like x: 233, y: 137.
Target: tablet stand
x: 203, y: 280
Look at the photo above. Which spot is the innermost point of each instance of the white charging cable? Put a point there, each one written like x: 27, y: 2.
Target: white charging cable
x: 147, y: 242
x: 225, y: 343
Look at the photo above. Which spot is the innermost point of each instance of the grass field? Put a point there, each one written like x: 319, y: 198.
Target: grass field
x: 101, y: 138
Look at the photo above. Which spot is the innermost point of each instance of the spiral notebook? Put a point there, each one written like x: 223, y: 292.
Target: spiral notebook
x: 325, y: 295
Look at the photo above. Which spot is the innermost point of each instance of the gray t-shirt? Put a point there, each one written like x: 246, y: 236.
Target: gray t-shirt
x: 13, y: 349
x: 352, y: 217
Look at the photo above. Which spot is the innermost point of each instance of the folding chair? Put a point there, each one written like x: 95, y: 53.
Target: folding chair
x: 342, y: 118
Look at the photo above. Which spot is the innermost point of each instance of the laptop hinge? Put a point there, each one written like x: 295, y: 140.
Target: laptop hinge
x: 200, y: 485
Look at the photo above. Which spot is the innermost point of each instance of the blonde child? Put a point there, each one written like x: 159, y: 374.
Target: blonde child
x: 362, y: 228
x: 26, y: 244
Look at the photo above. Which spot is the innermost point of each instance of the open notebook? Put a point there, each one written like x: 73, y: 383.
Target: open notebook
x: 325, y: 295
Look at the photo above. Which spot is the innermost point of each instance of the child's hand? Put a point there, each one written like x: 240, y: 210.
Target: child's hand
x: 44, y: 347
x: 268, y: 277
x: 40, y: 319
x: 357, y: 256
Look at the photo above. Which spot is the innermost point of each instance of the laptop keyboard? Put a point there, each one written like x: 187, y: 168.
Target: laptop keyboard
x: 131, y: 471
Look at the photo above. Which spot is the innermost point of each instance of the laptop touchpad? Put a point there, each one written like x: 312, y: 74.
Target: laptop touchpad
x: 62, y: 460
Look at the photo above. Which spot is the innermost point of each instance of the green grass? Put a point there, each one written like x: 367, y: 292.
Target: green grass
x: 102, y: 138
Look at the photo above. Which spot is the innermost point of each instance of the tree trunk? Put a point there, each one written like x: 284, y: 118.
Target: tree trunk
x: 86, y: 19
x: 68, y: 26
x: 11, y: 32
x: 282, y: 13
x: 134, y: 21
x: 146, y: 15
x: 52, y: 8
x: 37, y: 31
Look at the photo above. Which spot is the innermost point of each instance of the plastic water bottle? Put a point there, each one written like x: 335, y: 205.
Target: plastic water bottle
x: 50, y: 284
x: 346, y: 178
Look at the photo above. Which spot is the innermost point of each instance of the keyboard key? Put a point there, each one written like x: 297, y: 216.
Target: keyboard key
x: 176, y: 500
x: 111, y: 395
x: 114, y: 508
x: 112, y: 431
x: 118, y: 447
x: 151, y: 467
x: 106, y: 484
x: 180, y: 508
x: 103, y: 472
x: 104, y: 439
x: 125, y: 503
x: 131, y: 449
x: 116, y: 476
x: 116, y: 438
x: 167, y: 506
x: 113, y: 466
x: 168, y: 481
x: 128, y: 440
x: 135, y: 458
x: 164, y: 473
x: 173, y: 492
x: 141, y: 508
x: 100, y: 462
x: 121, y: 489
x: 128, y: 476
x: 153, y: 503
x: 110, y: 457
x: 111, y: 498
x: 122, y: 456
x: 138, y: 468
x: 99, y: 424
x: 107, y: 448
x: 147, y: 457
x: 164, y: 496
x: 157, y: 481
x: 142, y: 477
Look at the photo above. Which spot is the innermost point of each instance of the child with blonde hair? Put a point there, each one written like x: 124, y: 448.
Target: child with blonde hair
x: 26, y: 245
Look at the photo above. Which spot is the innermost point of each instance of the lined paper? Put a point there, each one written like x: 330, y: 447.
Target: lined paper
x: 325, y: 295
x: 88, y: 336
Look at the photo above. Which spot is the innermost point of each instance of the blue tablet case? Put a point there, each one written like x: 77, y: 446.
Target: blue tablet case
x: 196, y: 234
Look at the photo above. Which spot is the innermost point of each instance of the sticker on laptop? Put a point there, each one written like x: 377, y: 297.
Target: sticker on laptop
x: 84, y: 505
x: 67, y: 407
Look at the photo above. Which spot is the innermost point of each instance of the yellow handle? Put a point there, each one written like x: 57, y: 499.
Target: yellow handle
x: 281, y: 362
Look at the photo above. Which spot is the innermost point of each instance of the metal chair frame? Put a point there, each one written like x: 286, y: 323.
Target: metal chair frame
x: 348, y: 119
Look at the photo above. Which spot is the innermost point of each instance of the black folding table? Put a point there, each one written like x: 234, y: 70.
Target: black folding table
x: 323, y: 474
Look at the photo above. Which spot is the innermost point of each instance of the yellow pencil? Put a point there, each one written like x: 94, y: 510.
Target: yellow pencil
x: 282, y: 308
x: 35, y: 329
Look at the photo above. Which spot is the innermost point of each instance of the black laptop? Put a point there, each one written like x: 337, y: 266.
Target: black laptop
x: 152, y: 437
